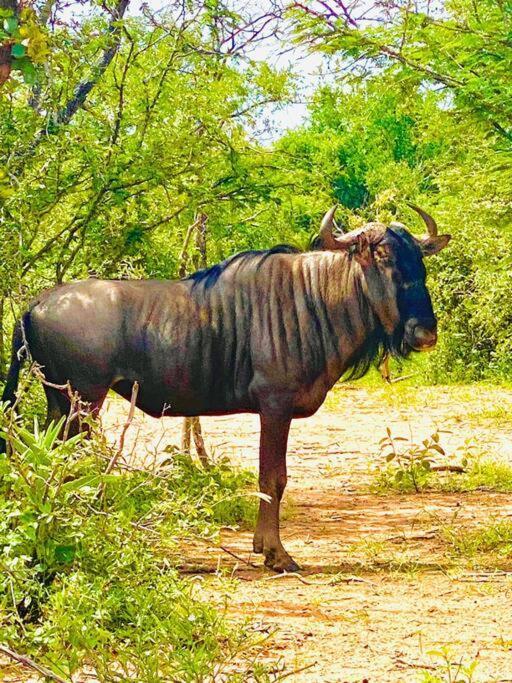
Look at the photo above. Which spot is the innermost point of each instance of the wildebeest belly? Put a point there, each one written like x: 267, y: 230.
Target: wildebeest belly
x: 159, y: 399
x: 183, y: 370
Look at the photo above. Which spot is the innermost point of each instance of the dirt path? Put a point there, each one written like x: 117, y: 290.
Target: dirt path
x: 408, y: 599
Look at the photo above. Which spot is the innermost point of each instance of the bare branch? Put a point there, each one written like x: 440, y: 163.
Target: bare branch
x: 26, y: 661
x: 129, y: 420
x: 83, y: 89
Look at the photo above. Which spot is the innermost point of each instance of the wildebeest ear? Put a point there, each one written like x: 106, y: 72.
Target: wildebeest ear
x: 363, y: 250
x: 432, y: 245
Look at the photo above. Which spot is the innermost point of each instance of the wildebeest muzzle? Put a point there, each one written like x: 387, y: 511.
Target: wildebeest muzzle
x: 421, y: 334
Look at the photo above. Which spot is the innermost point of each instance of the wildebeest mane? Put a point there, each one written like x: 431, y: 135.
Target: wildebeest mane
x: 209, y: 276
x: 377, y: 343
x: 372, y: 351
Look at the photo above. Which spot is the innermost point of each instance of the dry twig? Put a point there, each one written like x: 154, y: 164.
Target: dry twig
x: 413, y: 665
x: 26, y: 661
x: 331, y: 582
x: 129, y: 420
x: 226, y: 550
x: 431, y: 533
x: 448, y: 468
x: 115, y: 457
x: 296, y: 671
x: 385, y: 372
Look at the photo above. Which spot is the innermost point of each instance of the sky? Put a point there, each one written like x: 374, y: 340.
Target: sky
x: 312, y: 73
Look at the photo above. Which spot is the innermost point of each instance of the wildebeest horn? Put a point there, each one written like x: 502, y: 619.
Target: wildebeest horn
x: 429, y: 221
x: 345, y: 239
x: 326, y: 229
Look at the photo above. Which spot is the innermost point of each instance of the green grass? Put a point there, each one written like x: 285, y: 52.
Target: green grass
x: 496, y: 413
x: 88, y: 572
x: 488, y: 544
x: 380, y: 555
x: 483, y: 473
x: 477, y: 402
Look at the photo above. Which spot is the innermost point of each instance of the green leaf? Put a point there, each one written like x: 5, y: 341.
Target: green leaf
x: 18, y: 50
x: 10, y: 24
x: 76, y: 484
x: 29, y: 74
x: 65, y: 554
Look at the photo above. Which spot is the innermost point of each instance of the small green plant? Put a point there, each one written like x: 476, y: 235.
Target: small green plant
x: 412, y: 467
x: 450, y: 671
x: 409, y: 464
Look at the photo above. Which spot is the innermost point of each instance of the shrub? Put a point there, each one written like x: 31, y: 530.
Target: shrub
x: 87, y: 577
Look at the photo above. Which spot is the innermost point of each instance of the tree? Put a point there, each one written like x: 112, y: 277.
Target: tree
x: 462, y: 48
x: 131, y: 128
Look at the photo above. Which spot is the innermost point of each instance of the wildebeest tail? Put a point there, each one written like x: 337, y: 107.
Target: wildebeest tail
x: 18, y: 355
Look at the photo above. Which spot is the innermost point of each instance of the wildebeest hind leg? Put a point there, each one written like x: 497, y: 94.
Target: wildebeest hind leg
x: 53, y: 411
x: 273, y: 442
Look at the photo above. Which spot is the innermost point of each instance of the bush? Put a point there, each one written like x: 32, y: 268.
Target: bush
x: 87, y: 577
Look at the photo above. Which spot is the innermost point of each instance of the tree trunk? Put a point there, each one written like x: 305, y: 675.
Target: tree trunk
x: 192, y: 425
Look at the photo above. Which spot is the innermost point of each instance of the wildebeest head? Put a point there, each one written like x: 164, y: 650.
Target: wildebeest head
x: 394, y: 275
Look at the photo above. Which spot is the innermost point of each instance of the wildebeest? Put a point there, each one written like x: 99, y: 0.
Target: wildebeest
x: 266, y: 332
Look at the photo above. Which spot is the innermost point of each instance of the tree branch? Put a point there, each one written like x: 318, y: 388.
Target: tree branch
x: 26, y: 661
x: 82, y: 91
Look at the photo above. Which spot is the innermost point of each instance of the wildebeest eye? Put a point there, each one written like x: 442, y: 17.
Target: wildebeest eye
x: 397, y: 277
x: 384, y: 256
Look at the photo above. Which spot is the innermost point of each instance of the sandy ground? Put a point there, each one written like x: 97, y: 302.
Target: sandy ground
x: 407, y: 600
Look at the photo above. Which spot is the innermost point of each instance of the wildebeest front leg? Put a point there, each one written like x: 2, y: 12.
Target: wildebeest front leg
x: 273, y: 442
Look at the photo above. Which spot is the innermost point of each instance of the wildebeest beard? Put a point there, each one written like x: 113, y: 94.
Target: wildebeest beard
x: 377, y: 346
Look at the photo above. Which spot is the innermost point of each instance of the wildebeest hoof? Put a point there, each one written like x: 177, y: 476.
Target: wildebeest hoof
x: 280, y: 562
x: 287, y: 566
